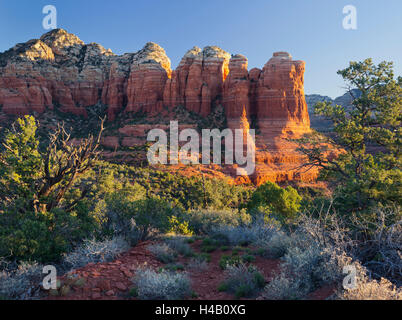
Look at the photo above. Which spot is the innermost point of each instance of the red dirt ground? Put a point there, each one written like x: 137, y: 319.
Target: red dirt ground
x: 206, y: 283
x: 113, y: 280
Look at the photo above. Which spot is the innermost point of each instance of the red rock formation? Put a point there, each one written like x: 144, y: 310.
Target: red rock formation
x: 198, y: 80
x: 236, y: 91
x: 280, y: 103
x: 149, y: 71
x: 61, y: 72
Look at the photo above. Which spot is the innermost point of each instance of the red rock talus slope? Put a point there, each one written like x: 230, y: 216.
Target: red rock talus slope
x: 59, y: 72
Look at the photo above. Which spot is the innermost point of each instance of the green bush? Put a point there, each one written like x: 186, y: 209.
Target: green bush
x: 180, y: 246
x: 210, y: 245
x: 152, y: 216
x: 242, y: 281
x: 204, y: 221
x: 164, y: 285
x: 227, y: 260
x: 42, y: 237
x: 163, y: 253
x: 272, y: 200
x: 189, y: 193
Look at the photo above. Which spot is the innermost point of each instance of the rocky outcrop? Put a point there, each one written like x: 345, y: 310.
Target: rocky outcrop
x: 237, y: 91
x: 59, y: 72
x: 198, y: 80
x: 281, y: 105
x: 149, y: 71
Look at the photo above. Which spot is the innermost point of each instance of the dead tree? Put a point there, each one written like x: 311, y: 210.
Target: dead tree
x: 64, y: 161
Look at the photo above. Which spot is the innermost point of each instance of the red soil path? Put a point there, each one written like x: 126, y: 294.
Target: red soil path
x: 113, y: 280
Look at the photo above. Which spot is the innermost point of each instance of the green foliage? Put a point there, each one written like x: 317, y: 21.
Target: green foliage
x: 133, y: 292
x: 185, y: 192
x: 273, y: 200
x: 243, y: 281
x: 173, y: 267
x: 368, y: 134
x: 248, y: 258
x: 227, y: 260
x: 209, y: 245
x: 42, y: 237
x: 152, y: 216
x: 37, y: 220
x: 203, y: 257
x: 20, y: 161
x: 179, y: 227
x: 163, y: 253
x: 204, y: 221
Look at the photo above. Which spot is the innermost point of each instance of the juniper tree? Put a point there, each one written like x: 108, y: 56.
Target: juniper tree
x: 367, y: 134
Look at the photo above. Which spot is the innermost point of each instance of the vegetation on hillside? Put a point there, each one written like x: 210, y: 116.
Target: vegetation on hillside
x: 60, y: 205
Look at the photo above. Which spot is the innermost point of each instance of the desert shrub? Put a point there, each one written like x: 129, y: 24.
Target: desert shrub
x: 179, y: 226
x: 92, y: 251
x: 283, y: 287
x: 21, y: 283
x: 42, y: 236
x: 189, y: 193
x: 115, y: 215
x: 302, y: 271
x: 276, y: 246
x: 272, y: 200
x: 315, y: 256
x: 164, y: 285
x: 138, y: 220
x: 203, y: 256
x: 248, y: 258
x: 202, y: 222
x: 317, y: 251
x: 180, y: 246
x: 372, y: 290
x: 211, y: 244
x: 198, y: 263
x: 227, y: 260
x: 307, y: 265
x: 243, y: 234
x: 152, y: 216
x: 163, y: 252
x: 242, y: 281
x: 173, y: 267
x: 380, y: 245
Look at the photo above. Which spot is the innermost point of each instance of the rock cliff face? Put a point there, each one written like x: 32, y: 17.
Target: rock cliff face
x: 281, y: 104
x: 59, y: 72
x: 198, y: 80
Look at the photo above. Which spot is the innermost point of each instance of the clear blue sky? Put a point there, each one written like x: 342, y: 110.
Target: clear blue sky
x: 310, y: 30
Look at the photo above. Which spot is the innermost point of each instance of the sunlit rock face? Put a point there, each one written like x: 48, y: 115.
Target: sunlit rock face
x: 198, y: 81
x: 59, y: 72
x: 280, y: 100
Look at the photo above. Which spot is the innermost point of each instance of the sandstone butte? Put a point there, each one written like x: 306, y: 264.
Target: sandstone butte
x: 61, y: 72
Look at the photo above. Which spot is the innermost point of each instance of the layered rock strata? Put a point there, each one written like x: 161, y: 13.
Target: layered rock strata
x: 59, y: 72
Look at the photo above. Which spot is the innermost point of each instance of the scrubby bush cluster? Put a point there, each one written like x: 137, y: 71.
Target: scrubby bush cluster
x: 373, y: 290
x: 180, y: 246
x: 22, y: 282
x: 242, y: 280
x: 252, y: 233
x: 92, y: 251
x: 315, y: 255
x: 60, y: 205
x: 164, y: 285
x: 163, y: 252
